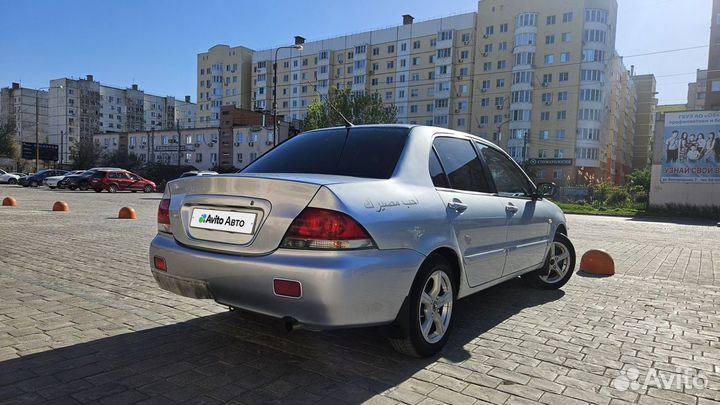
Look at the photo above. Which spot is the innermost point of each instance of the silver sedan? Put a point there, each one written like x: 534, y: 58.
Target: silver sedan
x: 362, y: 225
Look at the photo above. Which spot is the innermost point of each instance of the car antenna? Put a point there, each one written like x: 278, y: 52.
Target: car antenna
x: 348, y: 124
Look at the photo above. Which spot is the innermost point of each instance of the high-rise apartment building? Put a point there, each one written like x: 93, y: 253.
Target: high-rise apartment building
x: 80, y: 108
x: 712, y: 89
x: 223, y: 78
x: 645, y: 120
x: 26, y: 109
x: 697, y: 91
x: 540, y: 79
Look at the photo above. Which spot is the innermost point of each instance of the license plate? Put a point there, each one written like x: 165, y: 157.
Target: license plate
x: 228, y: 221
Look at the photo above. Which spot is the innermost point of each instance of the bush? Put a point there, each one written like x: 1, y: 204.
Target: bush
x: 617, y: 197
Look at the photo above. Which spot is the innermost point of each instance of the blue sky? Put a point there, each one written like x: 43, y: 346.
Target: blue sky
x: 155, y: 43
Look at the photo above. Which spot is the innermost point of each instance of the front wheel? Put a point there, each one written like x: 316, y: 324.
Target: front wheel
x: 52, y: 187
x: 558, y: 268
x: 84, y: 186
x: 148, y: 189
x: 423, y: 325
x: 112, y: 188
x: 12, y: 181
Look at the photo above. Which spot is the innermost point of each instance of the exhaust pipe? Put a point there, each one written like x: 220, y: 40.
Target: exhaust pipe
x: 291, y: 324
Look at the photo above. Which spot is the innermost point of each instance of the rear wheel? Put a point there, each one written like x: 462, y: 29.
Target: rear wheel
x: 423, y: 326
x: 558, y: 268
x: 148, y: 189
x: 52, y: 187
x: 112, y: 188
x: 84, y: 186
x: 12, y: 181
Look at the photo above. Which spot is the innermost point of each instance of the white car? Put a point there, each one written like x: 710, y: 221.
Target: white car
x: 9, y: 178
x: 53, y: 181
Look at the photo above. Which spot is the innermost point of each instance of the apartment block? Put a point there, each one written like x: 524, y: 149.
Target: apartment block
x: 424, y: 68
x: 645, y: 120
x: 26, y: 109
x: 243, y: 137
x: 697, y: 91
x: 712, y: 85
x: 80, y: 108
x: 223, y: 78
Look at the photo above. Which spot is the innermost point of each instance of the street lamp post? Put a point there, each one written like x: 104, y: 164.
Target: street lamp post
x: 274, y: 103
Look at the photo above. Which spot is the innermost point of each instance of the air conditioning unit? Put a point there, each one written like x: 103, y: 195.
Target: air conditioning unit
x: 548, y: 102
x: 197, y: 145
x: 237, y: 144
x: 544, y: 84
x: 142, y: 146
x: 251, y: 143
x: 132, y: 146
x: 485, y: 54
x: 486, y: 36
x: 483, y: 90
x: 210, y: 144
x: 499, y: 107
x: 466, y: 42
x: 457, y: 111
x: 461, y: 60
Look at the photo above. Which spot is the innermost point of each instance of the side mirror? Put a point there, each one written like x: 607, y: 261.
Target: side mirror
x: 546, y: 190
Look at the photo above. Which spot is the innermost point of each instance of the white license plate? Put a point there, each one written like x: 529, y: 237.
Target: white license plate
x: 228, y: 221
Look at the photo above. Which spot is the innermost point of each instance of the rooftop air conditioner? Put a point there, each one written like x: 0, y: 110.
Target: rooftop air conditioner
x: 237, y: 143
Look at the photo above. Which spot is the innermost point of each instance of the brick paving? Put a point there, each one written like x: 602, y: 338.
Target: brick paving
x: 81, y: 321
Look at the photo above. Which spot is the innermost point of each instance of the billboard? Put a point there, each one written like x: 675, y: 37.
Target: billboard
x: 691, y: 147
x: 47, y: 151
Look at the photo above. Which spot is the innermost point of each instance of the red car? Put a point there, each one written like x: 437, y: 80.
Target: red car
x: 120, y: 180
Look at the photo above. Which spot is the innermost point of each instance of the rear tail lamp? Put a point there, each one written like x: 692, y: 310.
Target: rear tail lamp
x: 317, y: 228
x: 163, y: 216
x: 159, y: 263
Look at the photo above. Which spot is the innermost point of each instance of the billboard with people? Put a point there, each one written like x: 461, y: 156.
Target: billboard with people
x: 691, y: 147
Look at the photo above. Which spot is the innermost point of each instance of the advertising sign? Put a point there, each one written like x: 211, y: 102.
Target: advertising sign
x: 47, y: 151
x: 691, y: 147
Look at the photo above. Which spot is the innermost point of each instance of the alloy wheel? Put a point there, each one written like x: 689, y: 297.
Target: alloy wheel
x: 436, y: 302
x: 558, y: 263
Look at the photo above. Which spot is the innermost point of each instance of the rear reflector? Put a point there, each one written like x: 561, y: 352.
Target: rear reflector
x: 287, y: 288
x: 317, y: 228
x: 160, y: 263
x: 163, y: 215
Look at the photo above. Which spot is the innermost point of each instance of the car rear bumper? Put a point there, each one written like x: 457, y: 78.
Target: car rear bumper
x: 339, y: 289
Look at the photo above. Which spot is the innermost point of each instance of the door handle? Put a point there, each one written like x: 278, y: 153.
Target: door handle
x: 457, y: 205
x: 511, y: 208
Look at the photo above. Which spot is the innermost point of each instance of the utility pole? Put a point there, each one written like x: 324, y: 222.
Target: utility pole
x: 177, y: 127
x: 37, y: 131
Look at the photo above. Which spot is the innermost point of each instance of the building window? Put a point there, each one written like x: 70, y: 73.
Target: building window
x: 567, y: 17
x: 391, y: 49
x: 565, y: 57
x: 502, y: 46
x: 543, y: 135
x: 416, y: 45
x: 561, y: 115
x: 562, y: 96
x: 545, y: 116
x: 549, y: 59
x: 715, y: 85
x: 564, y: 76
x: 550, y: 20
x: 503, y: 27
x: 549, y: 39
x: 501, y: 64
x: 566, y: 37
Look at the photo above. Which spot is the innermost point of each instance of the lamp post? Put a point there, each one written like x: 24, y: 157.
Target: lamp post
x: 37, y: 123
x: 299, y: 47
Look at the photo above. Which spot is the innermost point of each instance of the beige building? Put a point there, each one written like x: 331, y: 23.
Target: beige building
x: 424, y: 68
x: 26, y: 109
x: 645, y: 120
x: 223, y: 78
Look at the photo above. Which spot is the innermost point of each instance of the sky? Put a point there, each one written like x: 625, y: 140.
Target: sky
x: 155, y: 43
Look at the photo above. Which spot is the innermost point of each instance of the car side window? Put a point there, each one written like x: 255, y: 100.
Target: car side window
x: 462, y: 165
x: 437, y: 174
x: 509, y: 180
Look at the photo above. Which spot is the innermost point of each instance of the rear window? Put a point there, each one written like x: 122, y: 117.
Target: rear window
x: 357, y: 152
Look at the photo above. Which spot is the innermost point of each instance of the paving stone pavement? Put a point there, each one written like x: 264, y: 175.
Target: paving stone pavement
x: 81, y: 321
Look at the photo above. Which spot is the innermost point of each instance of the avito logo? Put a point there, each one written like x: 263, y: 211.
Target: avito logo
x: 211, y: 219
x: 202, y: 218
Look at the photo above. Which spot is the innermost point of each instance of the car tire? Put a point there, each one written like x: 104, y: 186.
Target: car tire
x: 72, y: 188
x: 12, y: 181
x: 433, y: 292
x: 148, y: 189
x: 52, y: 187
x: 112, y: 188
x: 97, y: 190
x: 558, y: 268
x: 84, y: 187
x: 33, y: 184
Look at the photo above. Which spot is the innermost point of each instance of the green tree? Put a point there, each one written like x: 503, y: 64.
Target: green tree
x: 8, y: 146
x: 358, y: 109
x: 84, y: 153
x: 640, y: 179
x: 121, y: 159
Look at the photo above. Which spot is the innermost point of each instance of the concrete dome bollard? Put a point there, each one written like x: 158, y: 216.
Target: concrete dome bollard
x: 127, y: 213
x: 9, y: 202
x: 597, y: 262
x: 61, y: 206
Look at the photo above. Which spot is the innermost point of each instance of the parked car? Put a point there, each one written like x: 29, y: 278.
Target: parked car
x: 57, y: 181
x: 119, y: 180
x: 365, y: 225
x: 193, y: 173
x: 82, y: 181
x: 37, y: 179
x: 8, y: 178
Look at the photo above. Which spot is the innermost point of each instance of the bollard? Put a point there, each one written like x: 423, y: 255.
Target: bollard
x: 127, y: 213
x: 61, y: 206
x: 597, y: 262
x: 9, y: 202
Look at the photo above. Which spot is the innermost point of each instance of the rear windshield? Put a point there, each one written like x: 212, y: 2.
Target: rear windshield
x: 357, y: 152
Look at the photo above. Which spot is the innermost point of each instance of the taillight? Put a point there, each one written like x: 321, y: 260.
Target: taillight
x: 317, y: 228
x: 163, y: 216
